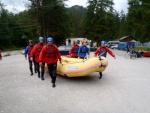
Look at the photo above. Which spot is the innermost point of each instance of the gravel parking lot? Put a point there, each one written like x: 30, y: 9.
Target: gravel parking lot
x: 124, y: 88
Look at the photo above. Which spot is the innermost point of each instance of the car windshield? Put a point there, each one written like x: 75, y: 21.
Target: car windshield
x: 64, y: 48
x: 61, y: 47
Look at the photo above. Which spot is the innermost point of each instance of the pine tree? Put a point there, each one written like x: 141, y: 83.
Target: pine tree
x: 99, y: 21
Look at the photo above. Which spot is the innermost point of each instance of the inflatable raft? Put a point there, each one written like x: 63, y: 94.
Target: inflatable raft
x: 74, y: 67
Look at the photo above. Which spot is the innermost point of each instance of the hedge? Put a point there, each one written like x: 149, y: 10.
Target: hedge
x: 144, y: 48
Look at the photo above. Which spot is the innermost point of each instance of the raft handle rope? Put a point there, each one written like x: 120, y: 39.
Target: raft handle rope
x: 100, y: 56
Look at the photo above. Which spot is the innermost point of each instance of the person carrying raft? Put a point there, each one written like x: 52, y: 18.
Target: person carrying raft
x: 74, y: 50
x: 83, y: 50
x: 50, y: 55
x: 102, y: 51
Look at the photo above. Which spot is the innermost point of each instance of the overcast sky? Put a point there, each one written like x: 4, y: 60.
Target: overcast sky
x: 19, y: 5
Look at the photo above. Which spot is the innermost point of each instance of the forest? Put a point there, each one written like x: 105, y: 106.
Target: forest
x: 98, y: 21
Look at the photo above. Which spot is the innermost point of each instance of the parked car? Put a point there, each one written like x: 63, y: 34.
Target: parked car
x: 122, y: 46
x: 112, y: 43
x: 64, y: 50
x: 114, y: 47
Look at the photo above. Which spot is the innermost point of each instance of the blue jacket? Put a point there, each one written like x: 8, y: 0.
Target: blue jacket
x: 83, y: 50
x: 26, y: 51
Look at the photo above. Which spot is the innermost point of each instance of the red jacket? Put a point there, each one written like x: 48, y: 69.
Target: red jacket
x: 98, y: 51
x: 30, y: 49
x: 50, y: 54
x: 74, y: 51
x: 36, y: 51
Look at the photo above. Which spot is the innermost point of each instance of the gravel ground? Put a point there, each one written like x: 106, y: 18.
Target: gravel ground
x: 125, y: 88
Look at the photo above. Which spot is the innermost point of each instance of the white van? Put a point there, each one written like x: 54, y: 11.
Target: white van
x: 112, y: 43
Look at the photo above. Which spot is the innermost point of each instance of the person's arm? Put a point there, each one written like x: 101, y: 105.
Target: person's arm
x: 79, y: 51
x: 88, y: 51
x: 42, y: 54
x: 58, y: 54
x: 96, y: 52
x: 26, y: 51
x: 33, y: 52
x: 110, y: 52
x: 70, y: 52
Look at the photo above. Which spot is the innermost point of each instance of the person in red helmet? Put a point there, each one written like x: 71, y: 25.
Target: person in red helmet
x: 28, y: 50
x: 0, y: 55
x: 36, y: 52
x: 74, y: 50
x: 50, y: 55
x: 102, y: 51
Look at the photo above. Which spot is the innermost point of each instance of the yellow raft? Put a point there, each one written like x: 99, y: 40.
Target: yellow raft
x: 74, y: 67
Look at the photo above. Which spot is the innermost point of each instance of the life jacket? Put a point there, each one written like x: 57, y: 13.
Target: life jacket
x: 29, y: 49
x: 39, y: 48
x: 50, y: 51
x: 83, y: 49
x: 76, y: 48
x: 103, y: 52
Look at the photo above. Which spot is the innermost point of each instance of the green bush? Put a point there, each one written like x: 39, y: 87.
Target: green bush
x: 11, y: 48
x: 144, y: 48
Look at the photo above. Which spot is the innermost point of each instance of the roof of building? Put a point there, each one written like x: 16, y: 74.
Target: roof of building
x: 127, y: 37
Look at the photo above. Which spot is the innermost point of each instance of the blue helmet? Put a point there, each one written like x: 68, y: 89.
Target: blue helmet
x: 41, y: 38
x: 76, y: 41
x: 102, y: 42
x: 49, y: 39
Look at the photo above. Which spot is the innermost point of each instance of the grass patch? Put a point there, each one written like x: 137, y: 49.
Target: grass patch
x: 11, y: 48
x: 7, y: 54
x: 144, y: 48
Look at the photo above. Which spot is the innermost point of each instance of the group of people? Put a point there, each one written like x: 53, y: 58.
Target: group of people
x: 41, y: 53
x: 77, y: 51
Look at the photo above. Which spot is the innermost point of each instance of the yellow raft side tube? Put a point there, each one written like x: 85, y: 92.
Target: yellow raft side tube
x: 74, y: 67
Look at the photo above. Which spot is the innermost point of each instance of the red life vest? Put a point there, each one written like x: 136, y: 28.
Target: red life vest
x: 39, y: 48
x: 76, y: 48
x: 50, y: 51
x: 29, y: 49
x: 103, y: 52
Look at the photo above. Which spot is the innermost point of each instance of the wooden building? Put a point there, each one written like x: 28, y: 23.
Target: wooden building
x: 128, y: 39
